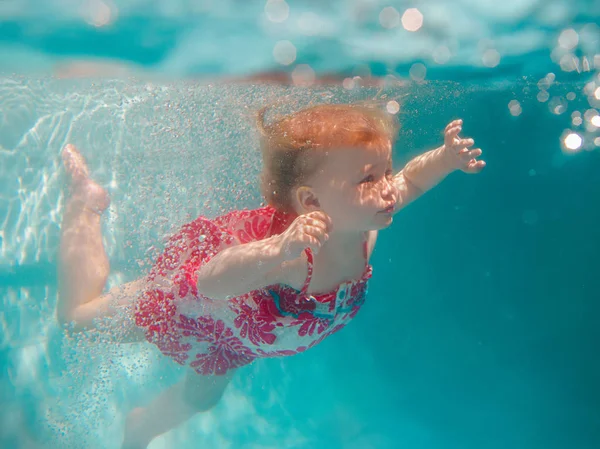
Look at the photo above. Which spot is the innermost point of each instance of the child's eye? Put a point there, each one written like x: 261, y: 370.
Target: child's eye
x: 369, y: 178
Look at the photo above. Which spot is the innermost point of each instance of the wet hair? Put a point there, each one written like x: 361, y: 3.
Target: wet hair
x: 292, y: 146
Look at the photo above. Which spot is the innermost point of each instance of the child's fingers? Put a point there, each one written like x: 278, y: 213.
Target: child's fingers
x: 451, y: 135
x: 453, y: 131
x: 320, y: 217
x: 314, y: 243
x: 316, y: 231
x: 470, y: 155
x: 465, y: 142
x: 317, y: 223
x: 475, y: 166
x: 452, y: 124
x: 324, y: 217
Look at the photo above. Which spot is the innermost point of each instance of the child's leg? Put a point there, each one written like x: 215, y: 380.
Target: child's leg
x: 83, y: 264
x: 194, y: 394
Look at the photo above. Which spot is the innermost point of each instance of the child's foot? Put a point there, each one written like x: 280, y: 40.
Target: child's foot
x: 84, y: 190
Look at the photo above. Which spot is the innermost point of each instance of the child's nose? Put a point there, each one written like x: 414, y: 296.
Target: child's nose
x: 389, y: 189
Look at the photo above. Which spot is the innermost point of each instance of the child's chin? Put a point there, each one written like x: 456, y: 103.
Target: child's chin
x: 383, y: 222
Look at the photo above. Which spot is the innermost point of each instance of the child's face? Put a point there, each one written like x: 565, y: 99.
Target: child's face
x: 354, y: 187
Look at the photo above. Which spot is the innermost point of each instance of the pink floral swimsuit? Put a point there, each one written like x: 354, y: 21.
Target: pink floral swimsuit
x: 215, y: 336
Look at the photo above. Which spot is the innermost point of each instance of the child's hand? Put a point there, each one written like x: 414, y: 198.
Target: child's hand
x: 306, y: 231
x: 456, y: 150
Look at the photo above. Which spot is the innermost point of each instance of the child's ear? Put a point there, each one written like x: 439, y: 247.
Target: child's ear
x: 307, y: 199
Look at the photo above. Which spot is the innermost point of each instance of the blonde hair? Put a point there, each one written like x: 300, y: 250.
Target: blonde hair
x: 291, y: 145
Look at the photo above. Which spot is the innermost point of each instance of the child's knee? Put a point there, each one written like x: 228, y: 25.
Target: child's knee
x: 70, y: 321
x: 66, y: 319
x: 205, y: 395
x: 203, y: 402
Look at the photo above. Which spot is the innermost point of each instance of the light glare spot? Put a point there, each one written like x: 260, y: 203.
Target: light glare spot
x: 491, y: 58
x: 389, y: 17
x: 573, y: 141
x: 441, y: 55
x: 348, y: 83
x: 558, y: 105
x: 393, y: 107
x: 97, y: 13
x: 303, y: 75
x: 412, y: 19
x: 568, y: 63
x: 277, y: 10
x: 418, y: 71
x: 543, y: 96
x: 515, y: 108
x: 284, y: 52
x: 568, y: 39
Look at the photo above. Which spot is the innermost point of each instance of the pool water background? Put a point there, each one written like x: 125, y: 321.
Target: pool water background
x: 480, y: 329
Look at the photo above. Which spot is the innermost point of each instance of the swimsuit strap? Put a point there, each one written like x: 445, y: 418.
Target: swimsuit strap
x: 309, y: 260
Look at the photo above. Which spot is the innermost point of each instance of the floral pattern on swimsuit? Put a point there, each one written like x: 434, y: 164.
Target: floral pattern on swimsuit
x: 213, y: 337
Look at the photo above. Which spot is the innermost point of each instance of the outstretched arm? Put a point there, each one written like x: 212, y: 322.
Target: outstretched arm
x: 428, y: 169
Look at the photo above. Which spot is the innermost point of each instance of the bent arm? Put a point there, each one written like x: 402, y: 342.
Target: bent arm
x: 420, y: 175
x: 241, y: 269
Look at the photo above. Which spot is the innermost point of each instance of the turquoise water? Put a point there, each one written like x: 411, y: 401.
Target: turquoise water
x: 480, y: 329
